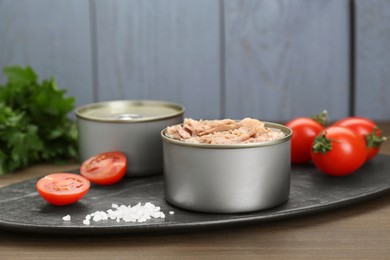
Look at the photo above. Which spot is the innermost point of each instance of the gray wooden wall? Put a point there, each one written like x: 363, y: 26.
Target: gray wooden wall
x: 269, y: 59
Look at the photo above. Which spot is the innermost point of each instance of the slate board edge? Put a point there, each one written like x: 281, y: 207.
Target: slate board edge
x: 232, y: 220
x: 188, y: 227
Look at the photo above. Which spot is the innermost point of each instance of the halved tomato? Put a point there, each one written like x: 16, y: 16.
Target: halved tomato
x: 105, y: 168
x: 62, y: 188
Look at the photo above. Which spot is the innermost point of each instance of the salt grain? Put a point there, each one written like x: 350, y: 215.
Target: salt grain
x: 66, y: 218
x: 137, y: 213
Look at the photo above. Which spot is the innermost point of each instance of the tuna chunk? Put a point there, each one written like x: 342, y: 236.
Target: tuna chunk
x: 224, y: 131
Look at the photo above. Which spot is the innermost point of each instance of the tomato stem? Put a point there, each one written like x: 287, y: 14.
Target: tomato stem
x: 321, y: 118
x: 374, y: 140
x: 322, y: 144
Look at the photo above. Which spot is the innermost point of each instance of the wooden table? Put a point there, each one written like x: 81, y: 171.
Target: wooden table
x: 361, y: 231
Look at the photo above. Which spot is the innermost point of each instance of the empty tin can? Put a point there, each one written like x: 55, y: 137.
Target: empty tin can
x: 132, y: 127
x: 230, y: 178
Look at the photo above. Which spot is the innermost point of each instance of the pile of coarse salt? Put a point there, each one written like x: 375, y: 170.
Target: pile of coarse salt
x: 138, y: 213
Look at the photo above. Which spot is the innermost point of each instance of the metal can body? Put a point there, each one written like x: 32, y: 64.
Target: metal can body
x: 227, y: 178
x: 132, y: 127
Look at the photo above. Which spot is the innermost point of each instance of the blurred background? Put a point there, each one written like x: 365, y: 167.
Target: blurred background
x: 268, y: 59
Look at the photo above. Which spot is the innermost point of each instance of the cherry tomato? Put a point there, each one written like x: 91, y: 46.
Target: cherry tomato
x: 367, y: 129
x: 338, y: 151
x: 105, y: 168
x: 62, y: 188
x: 304, y: 131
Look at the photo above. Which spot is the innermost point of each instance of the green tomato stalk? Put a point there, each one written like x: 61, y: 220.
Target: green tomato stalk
x: 374, y: 140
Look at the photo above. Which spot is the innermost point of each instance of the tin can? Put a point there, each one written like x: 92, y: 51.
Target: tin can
x: 230, y: 178
x: 130, y: 126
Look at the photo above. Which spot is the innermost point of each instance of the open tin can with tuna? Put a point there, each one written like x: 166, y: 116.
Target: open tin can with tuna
x: 130, y: 126
x: 227, y: 178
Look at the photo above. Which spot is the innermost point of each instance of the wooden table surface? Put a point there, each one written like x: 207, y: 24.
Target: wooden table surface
x: 360, y: 231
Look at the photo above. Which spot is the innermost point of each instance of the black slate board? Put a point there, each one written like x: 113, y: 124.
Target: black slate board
x: 22, y: 209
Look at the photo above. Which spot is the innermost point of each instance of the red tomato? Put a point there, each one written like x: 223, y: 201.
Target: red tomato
x: 62, y: 188
x: 338, y: 151
x: 304, y: 131
x: 367, y: 129
x: 105, y: 168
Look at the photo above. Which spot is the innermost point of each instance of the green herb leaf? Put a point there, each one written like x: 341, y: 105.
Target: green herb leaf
x: 34, y: 123
x: 20, y: 76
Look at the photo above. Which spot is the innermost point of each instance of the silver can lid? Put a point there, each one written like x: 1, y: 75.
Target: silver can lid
x: 124, y: 111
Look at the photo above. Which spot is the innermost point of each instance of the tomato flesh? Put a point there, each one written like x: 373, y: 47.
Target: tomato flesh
x: 62, y: 188
x: 304, y: 131
x: 105, y: 168
x: 347, y: 153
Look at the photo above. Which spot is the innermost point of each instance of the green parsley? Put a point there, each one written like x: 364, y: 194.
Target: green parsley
x: 34, y: 122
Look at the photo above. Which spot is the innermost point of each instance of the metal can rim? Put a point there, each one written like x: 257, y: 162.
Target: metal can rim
x: 288, y: 131
x: 180, y: 110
